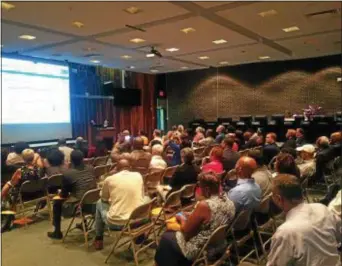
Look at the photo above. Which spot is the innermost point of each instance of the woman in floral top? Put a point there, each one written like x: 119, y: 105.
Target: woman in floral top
x: 180, y: 248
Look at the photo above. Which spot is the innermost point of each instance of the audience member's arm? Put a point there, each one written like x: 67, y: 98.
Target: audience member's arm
x: 14, y: 181
x: 192, y: 225
x: 236, y: 197
x: 281, y: 251
x: 105, y: 194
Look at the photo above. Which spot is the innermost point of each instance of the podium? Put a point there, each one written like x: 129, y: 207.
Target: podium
x: 99, y: 133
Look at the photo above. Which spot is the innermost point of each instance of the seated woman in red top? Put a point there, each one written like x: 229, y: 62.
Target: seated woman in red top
x: 214, y: 163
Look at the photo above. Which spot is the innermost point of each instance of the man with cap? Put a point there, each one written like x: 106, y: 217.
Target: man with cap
x: 308, y: 165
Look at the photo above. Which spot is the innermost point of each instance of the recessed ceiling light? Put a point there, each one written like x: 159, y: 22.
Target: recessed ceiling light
x: 264, y: 57
x: 203, y: 57
x: 184, y: 67
x: 220, y: 41
x: 7, y: 6
x: 291, y: 29
x: 224, y: 63
x: 95, y: 61
x: 131, y: 67
x: 78, y: 24
x: 137, y: 40
x: 154, y: 70
x: 172, y: 49
x: 188, y: 30
x: 268, y: 13
x: 150, y: 55
x: 27, y: 37
x: 132, y: 10
x: 89, y: 49
x: 126, y: 56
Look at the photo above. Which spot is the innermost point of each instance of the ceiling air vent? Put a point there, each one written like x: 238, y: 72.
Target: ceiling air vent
x: 324, y: 13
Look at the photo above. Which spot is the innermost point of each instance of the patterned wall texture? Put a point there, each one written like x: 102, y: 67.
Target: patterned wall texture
x: 256, y: 89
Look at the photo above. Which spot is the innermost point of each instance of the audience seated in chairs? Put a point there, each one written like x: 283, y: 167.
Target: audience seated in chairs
x: 270, y: 149
x: 65, y: 149
x: 261, y: 175
x: 120, y: 195
x: 307, y: 164
x: 290, y: 139
x: 174, y: 144
x: 214, y: 162
x: 250, y: 139
x: 311, y: 233
x: 142, y: 134
x: 300, y: 138
x: 16, y: 156
x: 220, y: 130
x: 185, y: 174
x: 157, y: 161
x: 122, y: 145
x: 246, y: 195
x: 78, y: 179
x: 180, y: 248
x: 199, y: 135
x: 230, y: 157
x: 209, y: 138
x: 28, y: 172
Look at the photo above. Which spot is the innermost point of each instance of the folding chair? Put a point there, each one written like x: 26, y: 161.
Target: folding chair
x: 88, y: 161
x: 102, y: 160
x: 188, y: 197
x: 266, y: 228
x: 151, y: 181
x: 242, y: 224
x: 101, y: 170
x: 170, y: 208
x: 216, y: 238
x: 55, y: 182
x: 89, y: 198
x: 132, y: 231
x: 168, y: 173
x: 33, y: 187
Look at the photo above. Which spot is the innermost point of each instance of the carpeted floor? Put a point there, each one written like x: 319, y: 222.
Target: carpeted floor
x: 31, y: 247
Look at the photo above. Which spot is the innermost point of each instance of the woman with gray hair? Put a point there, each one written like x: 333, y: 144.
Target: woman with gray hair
x: 199, y: 134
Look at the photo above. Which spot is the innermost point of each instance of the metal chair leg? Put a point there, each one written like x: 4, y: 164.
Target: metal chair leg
x: 70, y: 224
x: 114, y: 246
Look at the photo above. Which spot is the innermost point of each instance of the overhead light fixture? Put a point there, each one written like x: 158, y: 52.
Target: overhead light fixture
x: 224, y: 63
x: 95, y: 61
x: 172, y: 49
x: 137, y: 40
x: 220, y: 41
x: 78, y: 24
x: 154, y: 70
x: 268, y: 13
x: 184, y: 67
x: 131, y: 67
x: 291, y: 29
x: 203, y: 57
x: 27, y: 37
x: 264, y: 57
x: 126, y: 56
x: 188, y: 30
x: 89, y: 49
x: 7, y: 6
x: 150, y: 55
x: 132, y: 10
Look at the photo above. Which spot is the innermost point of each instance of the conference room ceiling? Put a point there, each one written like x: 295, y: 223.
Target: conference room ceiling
x: 253, y: 31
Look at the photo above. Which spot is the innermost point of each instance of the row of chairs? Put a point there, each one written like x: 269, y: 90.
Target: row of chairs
x: 96, y: 161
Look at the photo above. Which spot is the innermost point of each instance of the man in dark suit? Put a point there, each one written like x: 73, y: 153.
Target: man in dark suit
x: 230, y: 157
x: 300, y: 138
x: 270, y: 149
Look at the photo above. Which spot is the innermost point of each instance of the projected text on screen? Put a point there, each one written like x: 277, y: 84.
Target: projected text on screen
x: 34, y: 93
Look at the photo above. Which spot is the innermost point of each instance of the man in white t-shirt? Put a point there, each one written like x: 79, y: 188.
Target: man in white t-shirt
x: 120, y: 195
x: 311, y: 233
x: 157, y: 161
x: 65, y: 149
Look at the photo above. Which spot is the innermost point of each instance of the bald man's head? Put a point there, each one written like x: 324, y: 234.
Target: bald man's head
x: 245, y: 167
x: 123, y: 164
x: 138, y: 143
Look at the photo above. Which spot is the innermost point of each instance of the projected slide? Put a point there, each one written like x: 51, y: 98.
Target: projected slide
x: 35, y: 101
